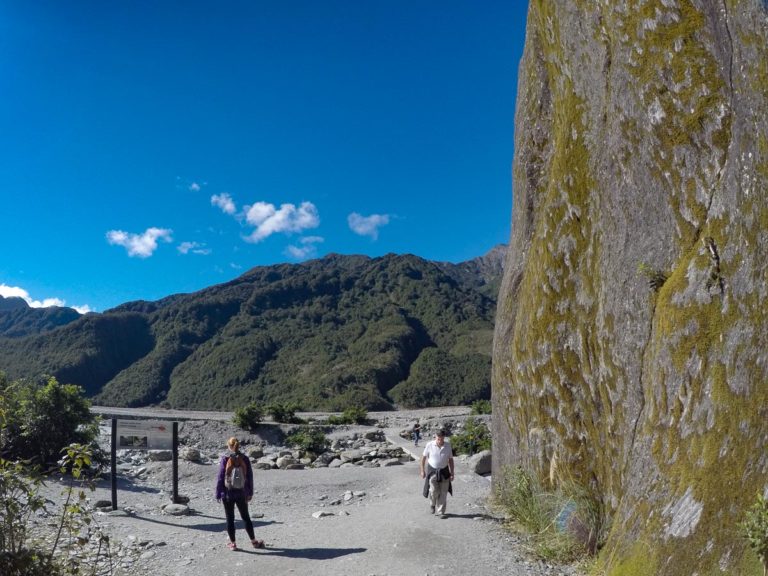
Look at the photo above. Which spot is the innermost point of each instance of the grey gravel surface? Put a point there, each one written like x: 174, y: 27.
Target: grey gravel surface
x: 384, y: 529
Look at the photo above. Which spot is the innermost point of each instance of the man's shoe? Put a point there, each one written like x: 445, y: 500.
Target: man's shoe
x: 432, y: 509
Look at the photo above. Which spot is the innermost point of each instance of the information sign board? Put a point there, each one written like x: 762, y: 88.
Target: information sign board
x: 144, y: 435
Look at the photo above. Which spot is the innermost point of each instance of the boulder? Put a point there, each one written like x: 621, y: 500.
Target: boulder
x: 631, y: 336
x: 480, y: 463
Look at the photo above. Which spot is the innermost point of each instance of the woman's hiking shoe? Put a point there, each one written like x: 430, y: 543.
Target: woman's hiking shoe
x: 232, y: 546
x: 257, y: 543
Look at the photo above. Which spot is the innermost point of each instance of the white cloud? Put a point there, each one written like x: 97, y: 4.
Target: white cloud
x: 16, y: 292
x: 225, y: 202
x: 307, y: 250
x: 194, y: 248
x: 288, y: 219
x: 141, y: 245
x: 367, y: 225
x: 195, y: 187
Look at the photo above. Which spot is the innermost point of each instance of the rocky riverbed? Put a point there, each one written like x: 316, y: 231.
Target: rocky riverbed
x: 358, y: 510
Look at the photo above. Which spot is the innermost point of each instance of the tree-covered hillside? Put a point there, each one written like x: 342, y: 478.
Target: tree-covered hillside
x: 325, y: 334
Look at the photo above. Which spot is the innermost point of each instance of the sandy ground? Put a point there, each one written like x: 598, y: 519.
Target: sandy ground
x: 386, y: 529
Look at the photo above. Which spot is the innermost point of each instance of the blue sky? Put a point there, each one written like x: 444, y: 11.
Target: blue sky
x: 151, y: 148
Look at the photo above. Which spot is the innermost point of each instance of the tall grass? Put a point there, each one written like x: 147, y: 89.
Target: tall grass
x: 565, y: 523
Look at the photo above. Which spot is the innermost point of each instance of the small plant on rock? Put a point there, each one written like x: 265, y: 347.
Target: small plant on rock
x: 656, y: 278
x: 755, y: 527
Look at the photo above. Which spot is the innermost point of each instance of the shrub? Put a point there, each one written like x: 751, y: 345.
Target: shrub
x: 248, y: 417
x: 481, y: 407
x: 355, y: 415
x: 351, y: 415
x: 474, y: 438
x: 308, y: 440
x: 39, y: 420
x: 755, y: 527
x: 285, y: 413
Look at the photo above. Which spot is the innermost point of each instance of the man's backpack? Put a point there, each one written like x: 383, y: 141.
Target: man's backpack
x: 234, y: 477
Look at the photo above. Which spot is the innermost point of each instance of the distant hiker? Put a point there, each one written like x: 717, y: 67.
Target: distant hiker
x: 234, y: 487
x: 416, y: 433
x: 436, y: 467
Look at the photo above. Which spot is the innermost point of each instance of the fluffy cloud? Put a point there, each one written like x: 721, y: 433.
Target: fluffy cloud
x: 306, y: 250
x: 194, y: 248
x: 141, y: 245
x: 16, y: 292
x: 195, y: 187
x: 225, y: 202
x: 288, y: 219
x: 367, y: 225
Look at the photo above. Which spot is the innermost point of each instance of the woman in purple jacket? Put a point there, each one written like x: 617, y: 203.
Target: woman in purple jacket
x: 233, y: 496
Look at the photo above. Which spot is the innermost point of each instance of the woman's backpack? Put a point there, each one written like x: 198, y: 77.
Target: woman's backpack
x: 234, y: 475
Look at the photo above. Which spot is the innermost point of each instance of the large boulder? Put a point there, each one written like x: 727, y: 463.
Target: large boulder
x: 630, y: 352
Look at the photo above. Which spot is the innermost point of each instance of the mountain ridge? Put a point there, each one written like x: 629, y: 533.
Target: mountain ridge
x: 325, y: 333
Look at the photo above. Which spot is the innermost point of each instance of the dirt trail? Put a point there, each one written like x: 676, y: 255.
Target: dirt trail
x: 388, y: 530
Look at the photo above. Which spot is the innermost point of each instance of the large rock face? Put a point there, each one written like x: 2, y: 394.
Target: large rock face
x: 642, y: 154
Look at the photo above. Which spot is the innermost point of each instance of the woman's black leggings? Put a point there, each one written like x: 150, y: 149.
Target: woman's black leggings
x: 229, y: 511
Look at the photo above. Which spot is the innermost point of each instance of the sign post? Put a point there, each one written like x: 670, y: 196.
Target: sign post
x: 175, y: 494
x: 113, y: 463
x: 144, y: 435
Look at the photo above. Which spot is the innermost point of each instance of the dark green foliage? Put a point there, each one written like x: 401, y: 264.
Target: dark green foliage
x: 473, y: 439
x: 331, y: 333
x: 351, y: 415
x: 87, y: 352
x: 20, y: 320
x: 481, y: 407
x: 285, y: 413
x: 39, y: 420
x: 355, y: 415
x: 439, y: 378
x: 248, y: 417
x: 308, y: 439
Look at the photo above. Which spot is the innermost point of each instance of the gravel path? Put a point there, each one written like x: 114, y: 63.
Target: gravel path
x: 385, y: 529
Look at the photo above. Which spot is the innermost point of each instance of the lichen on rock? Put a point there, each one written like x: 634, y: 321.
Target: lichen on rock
x: 641, y: 138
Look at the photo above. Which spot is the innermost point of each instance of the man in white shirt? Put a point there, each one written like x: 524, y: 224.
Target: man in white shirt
x: 436, y: 465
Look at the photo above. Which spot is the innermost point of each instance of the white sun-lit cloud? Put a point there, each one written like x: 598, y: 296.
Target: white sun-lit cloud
x: 225, y: 202
x: 17, y: 292
x: 288, y: 219
x: 193, y: 248
x: 367, y: 225
x: 140, y: 245
x: 308, y: 248
x: 195, y: 187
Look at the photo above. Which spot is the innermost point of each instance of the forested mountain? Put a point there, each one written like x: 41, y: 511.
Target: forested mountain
x: 326, y: 334
x: 18, y: 319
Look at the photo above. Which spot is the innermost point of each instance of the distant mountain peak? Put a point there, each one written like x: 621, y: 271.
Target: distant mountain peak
x: 13, y: 303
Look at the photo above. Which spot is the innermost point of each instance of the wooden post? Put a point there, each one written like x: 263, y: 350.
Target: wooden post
x: 113, y: 463
x: 175, y: 496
